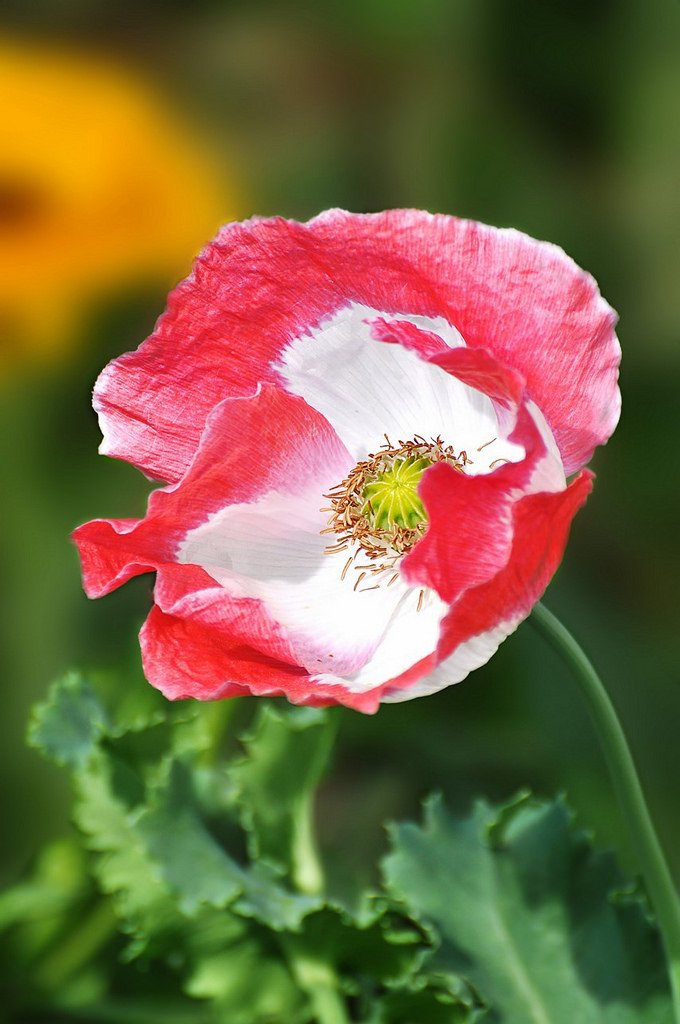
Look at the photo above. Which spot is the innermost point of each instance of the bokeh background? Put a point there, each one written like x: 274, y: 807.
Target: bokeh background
x: 129, y: 132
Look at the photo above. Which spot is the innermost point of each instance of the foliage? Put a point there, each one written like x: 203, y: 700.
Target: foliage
x: 532, y: 915
x: 209, y: 903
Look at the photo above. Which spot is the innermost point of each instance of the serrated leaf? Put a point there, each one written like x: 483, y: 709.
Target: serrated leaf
x: 160, y: 824
x: 286, y: 755
x: 426, y: 1000
x: 199, y: 871
x: 380, y: 949
x: 374, y: 962
x: 191, y: 862
x: 68, y: 724
x: 267, y: 899
x: 522, y: 904
x: 123, y: 867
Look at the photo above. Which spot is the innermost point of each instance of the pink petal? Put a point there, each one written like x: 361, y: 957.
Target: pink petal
x: 111, y: 554
x: 265, y: 282
x: 475, y: 367
x: 251, y: 445
x: 189, y: 656
x: 271, y: 443
x: 183, y: 657
x: 488, y: 613
x: 542, y: 524
x: 471, y: 525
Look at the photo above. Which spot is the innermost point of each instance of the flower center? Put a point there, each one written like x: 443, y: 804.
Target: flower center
x: 391, y: 499
x: 377, y: 509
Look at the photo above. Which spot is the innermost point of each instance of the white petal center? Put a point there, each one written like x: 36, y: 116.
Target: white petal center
x: 368, y: 389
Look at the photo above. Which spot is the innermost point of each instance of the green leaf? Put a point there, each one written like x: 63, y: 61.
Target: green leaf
x: 162, y: 824
x: 427, y: 999
x: 524, y: 910
x: 199, y: 871
x: 377, y: 958
x: 138, y: 806
x: 268, y: 899
x: 57, y: 884
x: 286, y: 755
x: 123, y: 868
x: 68, y: 724
x: 380, y: 949
x: 191, y: 862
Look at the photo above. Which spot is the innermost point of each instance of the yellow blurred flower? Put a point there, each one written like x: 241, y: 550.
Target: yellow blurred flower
x: 100, y: 185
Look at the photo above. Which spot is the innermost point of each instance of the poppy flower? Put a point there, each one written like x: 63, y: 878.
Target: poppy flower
x: 372, y: 430
x: 100, y: 185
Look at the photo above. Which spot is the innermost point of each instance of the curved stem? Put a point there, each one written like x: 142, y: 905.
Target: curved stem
x: 627, y: 786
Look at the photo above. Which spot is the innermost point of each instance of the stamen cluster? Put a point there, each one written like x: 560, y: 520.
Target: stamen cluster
x: 382, y: 539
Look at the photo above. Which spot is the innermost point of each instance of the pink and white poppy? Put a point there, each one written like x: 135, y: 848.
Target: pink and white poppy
x: 369, y: 427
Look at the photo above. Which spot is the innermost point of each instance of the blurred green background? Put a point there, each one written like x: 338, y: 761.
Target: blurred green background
x: 562, y: 120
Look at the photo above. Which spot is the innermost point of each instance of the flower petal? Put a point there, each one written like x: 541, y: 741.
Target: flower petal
x: 111, y: 554
x: 265, y: 550
x: 475, y: 367
x: 369, y: 390
x: 184, y: 657
x: 270, y: 441
x: 485, y: 615
x: 200, y: 641
x: 411, y: 635
x: 525, y: 301
x: 248, y: 515
x: 263, y: 283
x: 471, y: 518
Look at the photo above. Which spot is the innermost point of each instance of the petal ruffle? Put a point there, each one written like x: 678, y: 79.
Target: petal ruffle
x: 263, y: 283
x: 471, y: 518
x: 271, y: 440
x: 485, y: 615
x: 237, y: 544
x: 183, y: 657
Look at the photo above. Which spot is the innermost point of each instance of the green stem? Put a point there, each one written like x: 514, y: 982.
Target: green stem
x: 216, y: 718
x: 318, y: 979
x: 627, y: 786
x: 306, y: 864
x: 76, y: 950
x: 315, y: 975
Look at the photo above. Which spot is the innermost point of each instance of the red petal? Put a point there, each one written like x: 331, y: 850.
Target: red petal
x: 475, y: 367
x: 541, y: 530
x: 426, y: 344
x: 262, y: 283
x: 470, y: 529
x: 269, y: 441
x: 542, y: 524
x: 186, y: 656
x: 183, y: 657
